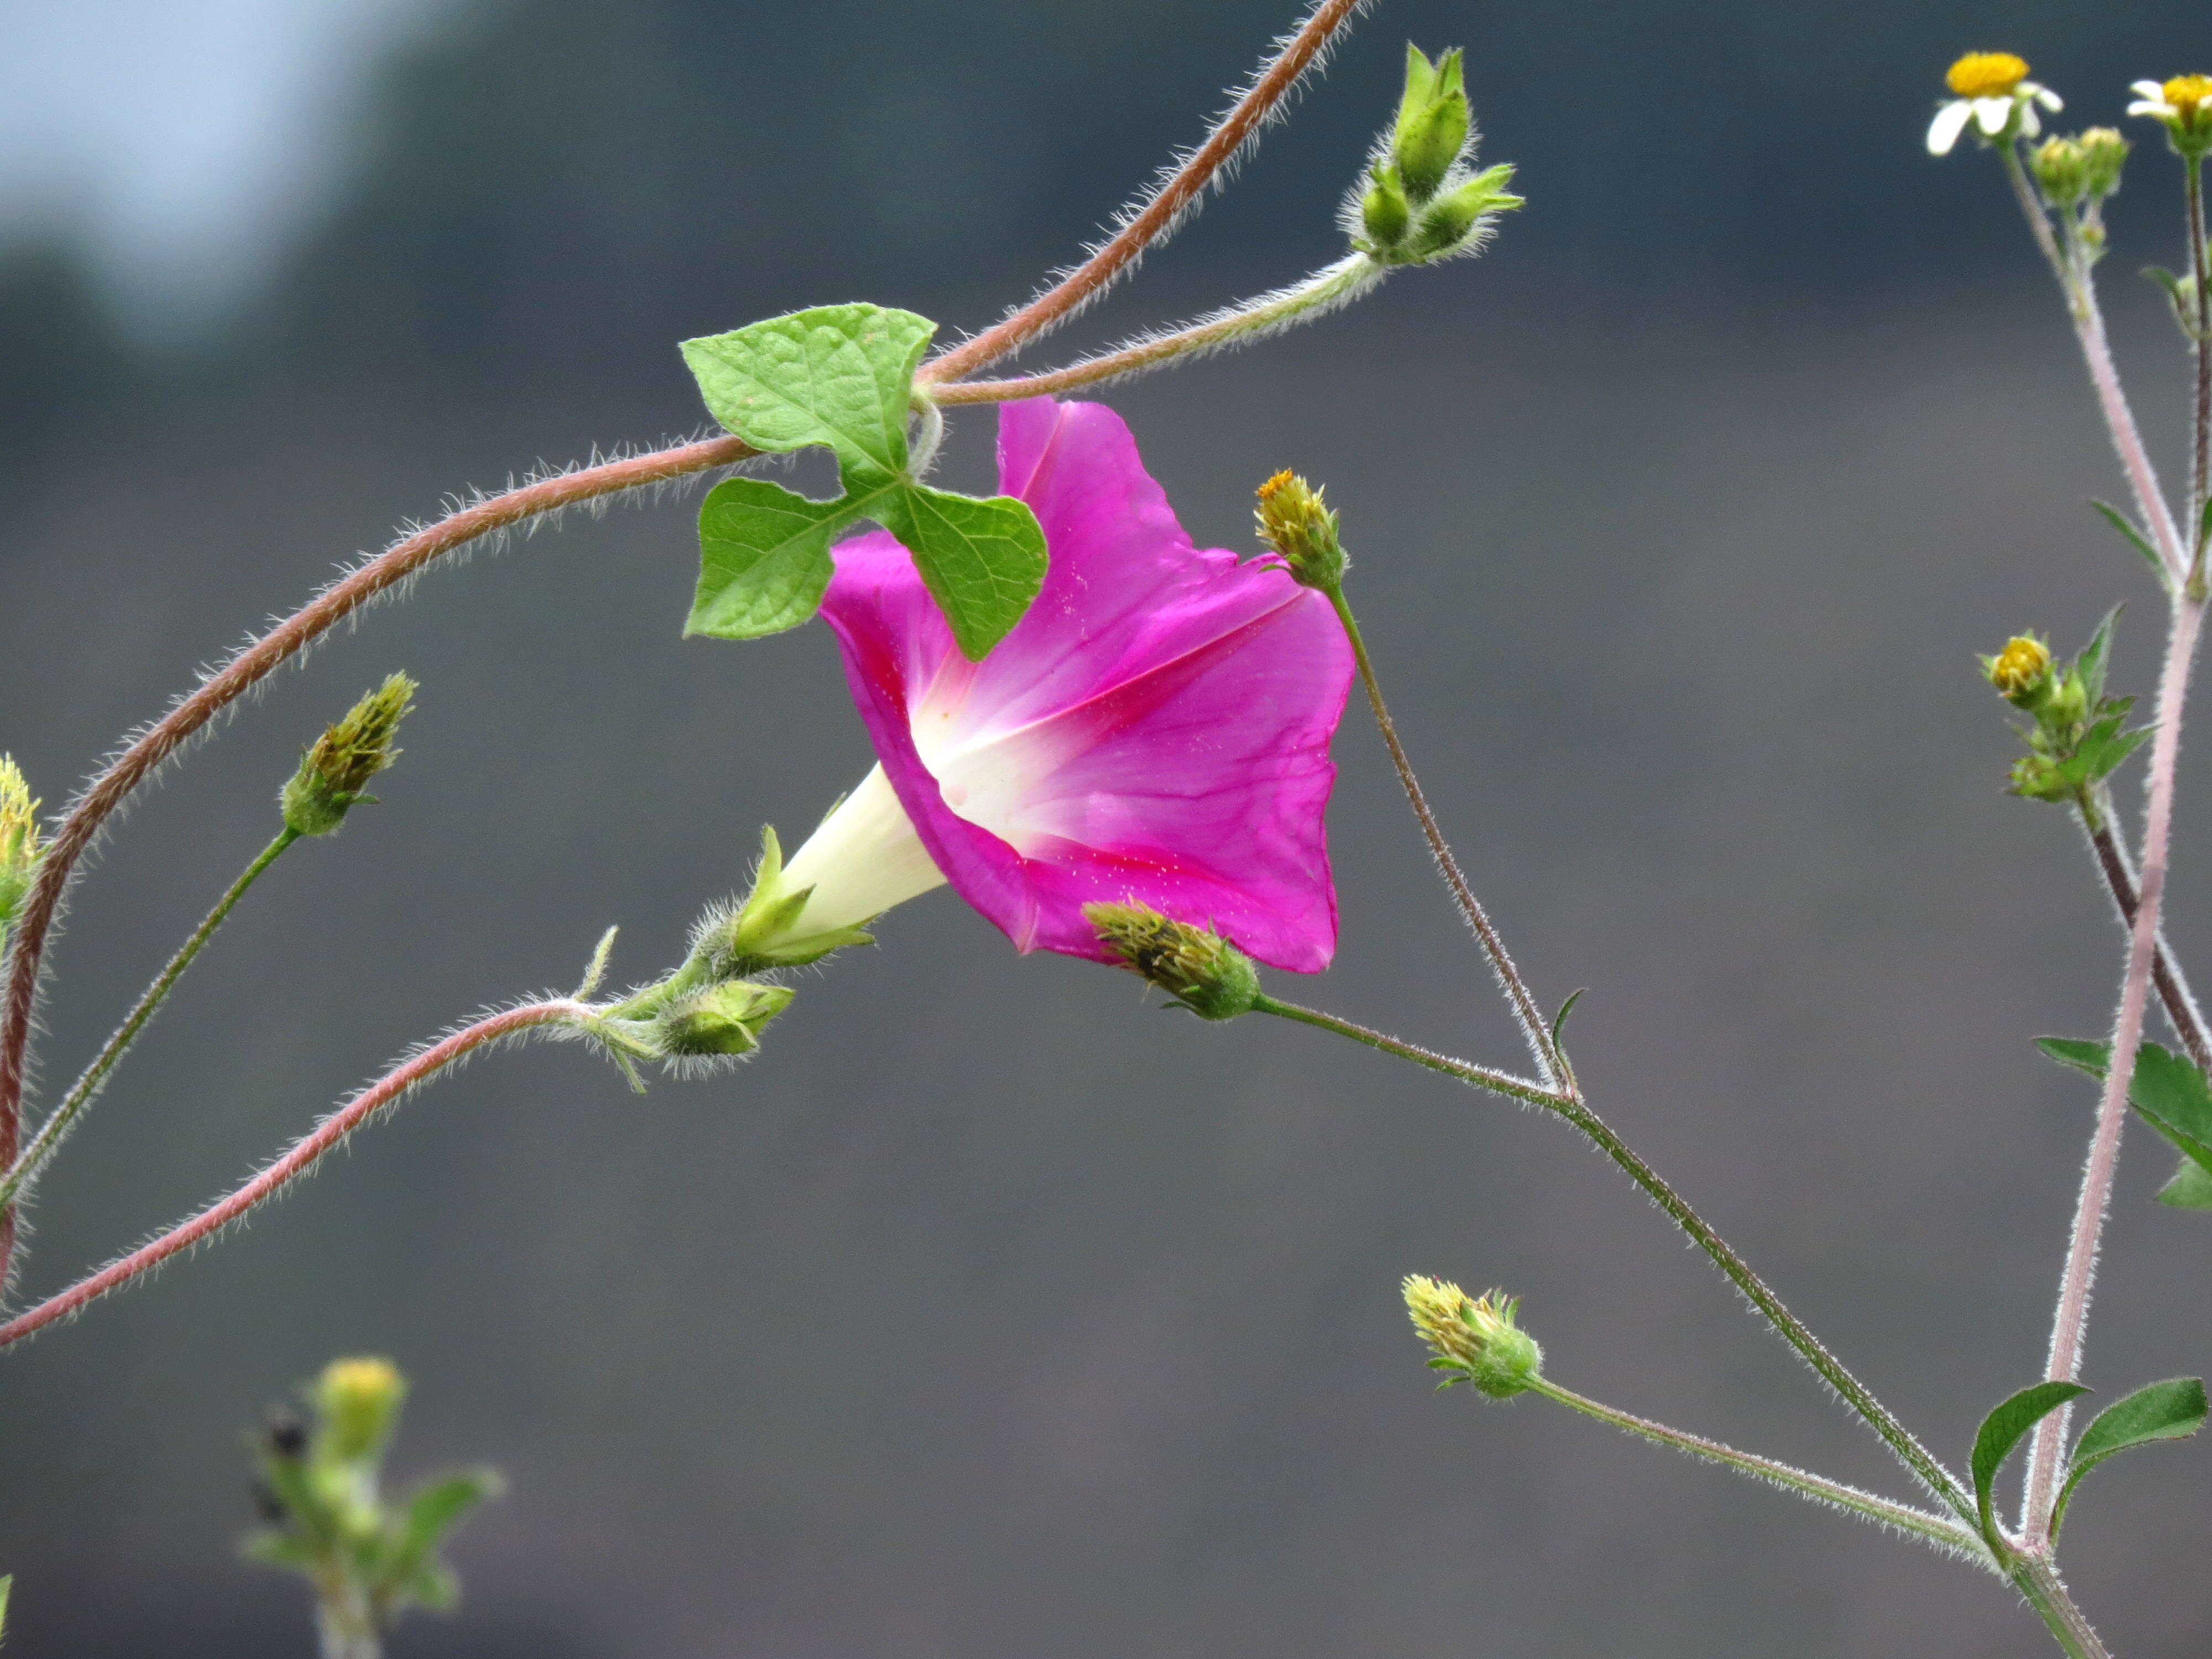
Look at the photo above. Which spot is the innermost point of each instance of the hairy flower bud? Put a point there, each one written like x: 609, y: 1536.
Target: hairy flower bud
x: 2103, y: 153
x: 1203, y: 971
x: 2019, y: 671
x: 356, y: 1406
x: 1432, y: 124
x: 1294, y: 522
x: 722, y: 1019
x: 338, y: 767
x: 1383, y: 211
x: 2061, y: 170
x: 20, y: 848
x: 1474, y: 1340
x: 1459, y: 219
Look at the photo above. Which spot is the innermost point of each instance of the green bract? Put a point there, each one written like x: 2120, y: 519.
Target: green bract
x: 842, y: 377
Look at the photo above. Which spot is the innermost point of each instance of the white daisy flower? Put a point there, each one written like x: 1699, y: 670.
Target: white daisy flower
x: 2184, y: 104
x: 1994, y: 93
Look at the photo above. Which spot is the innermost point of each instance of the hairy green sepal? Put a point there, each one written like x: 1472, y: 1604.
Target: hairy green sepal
x: 842, y: 377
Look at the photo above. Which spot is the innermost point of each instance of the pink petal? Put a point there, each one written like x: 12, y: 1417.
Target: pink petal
x: 1155, y: 728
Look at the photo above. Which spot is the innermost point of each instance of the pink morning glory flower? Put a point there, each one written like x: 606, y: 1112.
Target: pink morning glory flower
x: 1156, y: 729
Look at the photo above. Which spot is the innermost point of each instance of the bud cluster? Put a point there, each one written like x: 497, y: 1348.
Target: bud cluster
x: 1474, y: 1338
x: 1201, y: 971
x: 2077, y: 735
x: 1420, y: 200
x: 1296, y: 524
x: 327, y: 1519
x: 20, y: 848
x: 339, y: 765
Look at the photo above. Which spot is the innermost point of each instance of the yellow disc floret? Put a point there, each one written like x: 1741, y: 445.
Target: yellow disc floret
x: 2188, y: 94
x: 1986, y: 74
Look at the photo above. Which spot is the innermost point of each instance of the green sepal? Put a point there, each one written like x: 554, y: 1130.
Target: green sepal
x: 983, y: 560
x: 1999, y: 1432
x: 763, y: 558
x: 756, y: 941
x: 2126, y: 527
x: 2171, y: 1410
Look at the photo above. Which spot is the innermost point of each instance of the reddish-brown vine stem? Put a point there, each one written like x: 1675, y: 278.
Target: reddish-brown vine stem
x: 35, y: 924
x: 326, y: 1134
x: 1157, y: 216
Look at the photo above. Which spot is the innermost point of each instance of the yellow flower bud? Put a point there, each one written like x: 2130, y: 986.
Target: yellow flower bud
x: 20, y: 848
x: 1203, y: 971
x: 334, y: 771
x: 1473, y: 1338
x: 356, y: 1403
x: 1295, y: 521
x: 2019, y: 671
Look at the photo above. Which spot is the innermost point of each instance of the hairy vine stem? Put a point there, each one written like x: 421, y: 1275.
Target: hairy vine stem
x: 1163, y: 211
x: 387, y: 1091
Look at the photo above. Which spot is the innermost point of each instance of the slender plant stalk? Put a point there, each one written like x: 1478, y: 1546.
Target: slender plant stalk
x: 2038, y: 1581
x: 2200, y: 451
x: 1533, y: 1027
x: 1325, y: 291
x: 2069, y: 1321
x: 2088, y: 319
x: 386, y: 1091
x: 1944, y: 1533
x: 2174, y: 993
x: 49, y: 1138
x: 1855, y: 1394
x: 1162, y: 211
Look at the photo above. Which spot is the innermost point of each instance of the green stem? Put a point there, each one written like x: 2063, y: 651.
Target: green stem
x: 58, y: 1124
x: 1939, y: 1530
x: 1533, y: 1027
x: 1792, y: 1330
x: 2038, y: 1581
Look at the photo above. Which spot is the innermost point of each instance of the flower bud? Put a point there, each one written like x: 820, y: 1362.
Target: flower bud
x: 2103, y: 153
x: 1382, y: 210
x: 1295, y: 523
x: 334, y: 771
x: 1203, y: 971
x: 20, y: 848
x: 722, y: 1019
x: 2061, y: 170
x: 1432, y: 124
x: 2019, y: 671
x: 356, y: 1406
x: 1474, y: 1340
x: 1459, y: 219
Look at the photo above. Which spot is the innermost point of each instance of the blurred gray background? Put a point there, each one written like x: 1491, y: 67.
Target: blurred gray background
x: 990, y: 1312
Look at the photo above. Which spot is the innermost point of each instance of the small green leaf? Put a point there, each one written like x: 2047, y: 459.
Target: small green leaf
x: 2126, y: 527
x: 763, y: 558
x: 1999, y: 1432
x: 1559, y: 1019
x: 434, y: 1508
x: 983, y: 561
x: 837, y: 375
x: 7, y: 1583
x: 2190, y: 1188
x: 2096, y: 658
x: 435, y: 1589
x: 272, y: 1548
x: 2173, y: 1410
x: 2088, y: 1058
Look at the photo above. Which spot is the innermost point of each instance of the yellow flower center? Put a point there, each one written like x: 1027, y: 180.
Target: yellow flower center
x: 2187, y: 92
x: 1986, y: 74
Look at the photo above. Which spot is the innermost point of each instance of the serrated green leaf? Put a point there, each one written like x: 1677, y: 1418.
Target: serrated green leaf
x: 763, y: 558
x: 2104, y: 747
x: 1999, y: 1432
x: 2167, y: 1091
x: 836, y: 375
x: 2171, y: 1410
x: 2126, y: 527
x: 2096, y: 657
x: 2190, y: 1188
x: 983, y: 561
